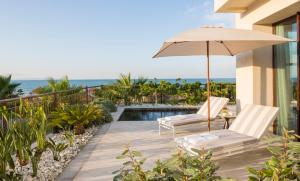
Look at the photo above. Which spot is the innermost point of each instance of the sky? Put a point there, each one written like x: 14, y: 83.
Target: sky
x: 99, y: 39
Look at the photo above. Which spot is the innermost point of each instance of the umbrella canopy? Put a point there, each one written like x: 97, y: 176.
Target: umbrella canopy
x: 216, y: 41
x: 222, y: 41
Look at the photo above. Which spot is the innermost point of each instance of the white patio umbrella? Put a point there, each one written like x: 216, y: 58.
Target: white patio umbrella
x: 216, y: 41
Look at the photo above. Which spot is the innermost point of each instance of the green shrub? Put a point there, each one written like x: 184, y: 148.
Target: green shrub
x: 6, y: 150
x: 30, y: 125
x: 136, y: 91
x: 132, y: 168
x: 284, y: 163
x: 105, y: 115
x: 56, y: 148
x: 180, y: 166
x: 109, y: 105
x: 75, y: 117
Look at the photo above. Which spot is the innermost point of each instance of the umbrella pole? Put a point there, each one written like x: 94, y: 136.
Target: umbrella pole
x: 208, y: 85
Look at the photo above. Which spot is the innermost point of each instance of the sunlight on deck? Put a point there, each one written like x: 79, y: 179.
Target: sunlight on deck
x: 100, y: 162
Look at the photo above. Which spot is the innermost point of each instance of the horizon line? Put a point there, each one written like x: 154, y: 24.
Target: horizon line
x: 132, y: 78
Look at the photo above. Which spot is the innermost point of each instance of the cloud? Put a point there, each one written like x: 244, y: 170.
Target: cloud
x: 196, y: 7
x: 191, y: 10
x: 225, y: 20
x: 203, y: 12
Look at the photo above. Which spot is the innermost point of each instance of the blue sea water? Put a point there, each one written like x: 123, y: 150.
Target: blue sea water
x: 28, y: 85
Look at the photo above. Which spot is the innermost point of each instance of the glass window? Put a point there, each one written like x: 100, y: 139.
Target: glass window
x: 286, y: 66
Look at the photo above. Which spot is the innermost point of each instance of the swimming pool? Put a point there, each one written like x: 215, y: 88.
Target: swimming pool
x: 151, y: 114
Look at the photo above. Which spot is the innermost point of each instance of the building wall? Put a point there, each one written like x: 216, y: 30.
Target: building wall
x: 254, y: 72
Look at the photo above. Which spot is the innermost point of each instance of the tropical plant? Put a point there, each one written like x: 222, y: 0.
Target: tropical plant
x: 105, y: 115
x: 180, y: 167
x: 7, y: 88
x: 75, y: 116
x: 125, y: 89
x: 138, y: 92
x: 108, y: 104
x: 284, y: 163
x: 22, y: 138
x: 31, y: 126
x: 69, y: 135
x: 6, y: 148
x: 132, y: 168
x: 39, y: 126
x: 55, y: 86
x: 56, y: 148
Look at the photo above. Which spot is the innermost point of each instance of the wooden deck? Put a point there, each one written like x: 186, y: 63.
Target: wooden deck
x: 97, y: 160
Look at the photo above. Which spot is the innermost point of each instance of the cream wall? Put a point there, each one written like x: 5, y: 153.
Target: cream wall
x: 254, y: 72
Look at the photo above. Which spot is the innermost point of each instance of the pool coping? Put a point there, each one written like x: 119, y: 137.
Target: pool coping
x: 121, y: 109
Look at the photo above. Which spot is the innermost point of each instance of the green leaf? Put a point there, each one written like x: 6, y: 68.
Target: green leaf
x: 143, y: 161
x: 136, y: 153
x: 275, y: 150
x: 252, y: 171
x: 121, y: 157
x: 252, y: 178
x: 125, y: 152
x: 127, y: 163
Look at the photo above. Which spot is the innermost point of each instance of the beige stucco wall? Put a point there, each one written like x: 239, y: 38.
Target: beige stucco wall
x: 254, y: 72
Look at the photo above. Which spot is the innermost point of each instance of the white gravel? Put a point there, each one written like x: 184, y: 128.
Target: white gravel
x: 49, y: 169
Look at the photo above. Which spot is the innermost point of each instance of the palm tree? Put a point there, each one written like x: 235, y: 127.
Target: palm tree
x: 7, y: 88
x: 138, y: 89
x: 55, y: 85
x: 125, y: 88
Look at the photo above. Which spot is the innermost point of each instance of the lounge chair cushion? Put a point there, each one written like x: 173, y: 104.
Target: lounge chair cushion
x: 217, y: 140
x: 217, y: 103
x: 195, y: 140
x: 182, y: 120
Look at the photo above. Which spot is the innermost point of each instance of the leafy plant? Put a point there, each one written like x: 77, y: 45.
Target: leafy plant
x: 132, y: 168
x: 105, y: 116
x: 56, y: 148
x: 180, y: 167
x: 53, y: 86
x: 284, y: 163
x: 124, y: 89
x: 127, y: 91
x: 183, y: 166
x: 69, y: 136
x: 22, y: 138
x: 109, y: 105
x: 7, y: 88
x: 6, y: 148
x: 39, y: 127
x: 76, y: 116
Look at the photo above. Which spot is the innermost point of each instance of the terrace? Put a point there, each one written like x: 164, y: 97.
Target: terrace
x: 56, y: 130
x: 99, y: 131
x: 98, y: 160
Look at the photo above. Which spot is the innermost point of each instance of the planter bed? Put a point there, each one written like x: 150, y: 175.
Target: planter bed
x: 49, y: 169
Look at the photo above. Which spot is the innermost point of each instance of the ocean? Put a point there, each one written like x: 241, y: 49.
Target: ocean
x: 28, y: 85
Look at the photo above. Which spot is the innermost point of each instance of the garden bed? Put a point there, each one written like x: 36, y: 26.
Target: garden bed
x: 49, y: 169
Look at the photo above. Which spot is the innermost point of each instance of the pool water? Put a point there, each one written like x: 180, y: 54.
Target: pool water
x: 152, y: 114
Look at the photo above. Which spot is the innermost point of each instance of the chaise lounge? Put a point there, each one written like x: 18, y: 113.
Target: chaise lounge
x: 216, y: 105
x: 246, y: 130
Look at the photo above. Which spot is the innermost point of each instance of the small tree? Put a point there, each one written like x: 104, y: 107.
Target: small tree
x: 284, y: 163
x: 7, y: 88
x: 180, y: 167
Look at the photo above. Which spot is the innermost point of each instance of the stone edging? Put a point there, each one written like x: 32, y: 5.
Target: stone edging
x: 76, y: 164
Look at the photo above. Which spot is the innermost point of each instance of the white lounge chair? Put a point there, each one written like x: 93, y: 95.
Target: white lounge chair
x: 216, y: 105
x: 248, y: 127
